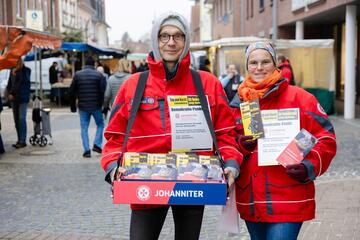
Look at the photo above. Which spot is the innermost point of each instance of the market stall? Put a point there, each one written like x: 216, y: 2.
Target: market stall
x: 313, y: 62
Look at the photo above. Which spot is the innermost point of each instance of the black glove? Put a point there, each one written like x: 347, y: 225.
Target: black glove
x: 297, y: 172
x: 105, y: 111
x: 247, y: 142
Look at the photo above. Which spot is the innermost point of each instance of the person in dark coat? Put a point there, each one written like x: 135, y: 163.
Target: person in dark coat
x: 88, y: 87
x: 18, y: 88
x: 2, y: 150
x: 53, y: 73
x: 143, y: 66
x: 53, y: 78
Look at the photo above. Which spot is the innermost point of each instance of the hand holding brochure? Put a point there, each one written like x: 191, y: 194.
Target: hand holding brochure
x: 297, y: 149
x: 251, y: 117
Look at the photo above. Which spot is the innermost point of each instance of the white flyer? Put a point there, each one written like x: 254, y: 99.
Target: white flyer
x: 280, y: 127
x: 189, y: 130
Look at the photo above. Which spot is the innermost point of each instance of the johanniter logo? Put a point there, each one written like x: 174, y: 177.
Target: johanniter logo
x: 143, y: 193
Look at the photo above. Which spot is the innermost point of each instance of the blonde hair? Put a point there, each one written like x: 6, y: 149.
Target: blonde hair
x: 123, y: 65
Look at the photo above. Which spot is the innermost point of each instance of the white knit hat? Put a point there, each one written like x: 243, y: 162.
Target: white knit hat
x: 173, y: 21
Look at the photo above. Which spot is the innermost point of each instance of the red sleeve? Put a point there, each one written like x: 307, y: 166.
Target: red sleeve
x: 315, y: 120
x: 224, y: 125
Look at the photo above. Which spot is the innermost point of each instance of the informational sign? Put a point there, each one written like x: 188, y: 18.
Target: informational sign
x: 299, y: 4
x: 189, y: 129
x: 280, y: 127
x: 34, y: 20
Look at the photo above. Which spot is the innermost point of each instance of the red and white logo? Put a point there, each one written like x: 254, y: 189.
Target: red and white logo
x: 320, y: 109
x: 143, y: 193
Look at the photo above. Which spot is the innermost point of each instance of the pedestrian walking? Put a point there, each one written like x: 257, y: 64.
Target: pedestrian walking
x: 169, y: 74
x: 100, y: 69
x: 18, y: 88
x: 88, y: 87
x: 2, y: 149
x: 53, y: 78
x: 273, y: 200
x: 113, y: 84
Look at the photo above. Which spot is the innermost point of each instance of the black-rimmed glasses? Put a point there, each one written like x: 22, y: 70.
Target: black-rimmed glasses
x: 165, y: 37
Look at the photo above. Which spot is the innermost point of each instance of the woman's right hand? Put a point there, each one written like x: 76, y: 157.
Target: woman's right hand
x: 247, y: 142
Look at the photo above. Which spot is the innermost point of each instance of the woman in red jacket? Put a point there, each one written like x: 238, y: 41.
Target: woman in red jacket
x: 274, y: 200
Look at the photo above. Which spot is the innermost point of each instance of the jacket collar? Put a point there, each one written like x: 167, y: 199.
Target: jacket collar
x: 157, y: 69
x: 278, y: 88
x: 89, y: 67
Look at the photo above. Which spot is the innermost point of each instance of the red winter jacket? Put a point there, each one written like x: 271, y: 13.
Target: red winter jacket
x: 151, y: 131
x: 267, y: 193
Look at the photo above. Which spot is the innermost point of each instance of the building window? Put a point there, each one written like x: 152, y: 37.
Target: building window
x: 46, y: 16
x: 53, y: 20
x: 261, y: 5
x: 223, y: 8
x: 251, y: 8
x: 19, y: 9
x: 218, y: 10
x: 215, y: 11
x: 2, y: 13
x: 230, y: 6
x: 247, y: 9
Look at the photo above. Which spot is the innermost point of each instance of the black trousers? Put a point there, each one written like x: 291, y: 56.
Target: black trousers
x: 147, y: 224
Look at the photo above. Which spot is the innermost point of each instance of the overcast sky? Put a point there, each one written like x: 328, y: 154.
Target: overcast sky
x: 135, y: 16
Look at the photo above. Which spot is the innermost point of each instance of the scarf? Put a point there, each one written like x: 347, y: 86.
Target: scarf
x: 251, y: 90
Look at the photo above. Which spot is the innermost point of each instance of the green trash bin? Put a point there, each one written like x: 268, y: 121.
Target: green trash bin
x: 325, y: 97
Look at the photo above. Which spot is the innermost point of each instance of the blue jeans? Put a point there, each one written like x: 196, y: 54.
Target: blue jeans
x: 273, y: 231
x: 84, y: 124
x: 19, y: 112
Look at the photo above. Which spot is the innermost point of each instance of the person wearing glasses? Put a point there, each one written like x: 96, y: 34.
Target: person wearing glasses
x: 169, y: 75
x: 273, y: 200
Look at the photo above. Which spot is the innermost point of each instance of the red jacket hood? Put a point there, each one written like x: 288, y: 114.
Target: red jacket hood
x: 285, y: 63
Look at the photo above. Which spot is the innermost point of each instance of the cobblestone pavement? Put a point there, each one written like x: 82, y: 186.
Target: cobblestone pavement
x: 53, y: 193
